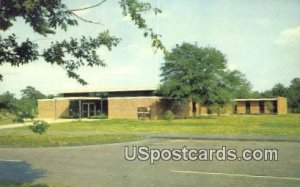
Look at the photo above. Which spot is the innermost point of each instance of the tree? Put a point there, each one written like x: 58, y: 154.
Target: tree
x: 26, y: 107
x: 8, y: 102
x: 28, y: 102
x: 293, y: 93
x: 255, y: 94
x: 267, y: 94
x: 238, y: 85
x: 31, y: 93
x: 279, y: 90
x: 45, y: 16
x: 200, y: 75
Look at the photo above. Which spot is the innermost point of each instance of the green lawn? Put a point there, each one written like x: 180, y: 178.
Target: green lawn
x: 241, y: 125
x: 6, y: 118
x: 19, y: 139
x: 93, y: 132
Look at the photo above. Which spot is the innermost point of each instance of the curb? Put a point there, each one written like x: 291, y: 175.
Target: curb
x: 225, y: 138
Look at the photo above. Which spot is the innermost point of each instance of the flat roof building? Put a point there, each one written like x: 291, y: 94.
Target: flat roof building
x: 276, y: 105
x: 138, y: 103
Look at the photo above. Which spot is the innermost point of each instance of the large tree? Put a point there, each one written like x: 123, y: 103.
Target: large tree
x: 200, y: 74
x: 293, y: 94
x: 279, y: 90
x: 32, y: 93
x: 46, y: 16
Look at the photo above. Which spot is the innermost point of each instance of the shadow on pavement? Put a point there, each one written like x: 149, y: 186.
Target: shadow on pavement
x: 19, y: 171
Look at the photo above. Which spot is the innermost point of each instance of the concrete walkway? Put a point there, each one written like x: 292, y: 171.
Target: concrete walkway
x: 50, y: 121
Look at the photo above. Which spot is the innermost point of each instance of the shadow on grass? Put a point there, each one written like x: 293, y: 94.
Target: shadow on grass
x: 19, y: 173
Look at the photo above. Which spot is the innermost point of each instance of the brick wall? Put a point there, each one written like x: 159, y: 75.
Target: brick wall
x: 241, y: 107
x: 281, y: 105
x: 127, y: 107
x: 51, y: 108
x: 254, y: 107
x: 201, y: 109
x: 46, y: 109
x: 62, y: 108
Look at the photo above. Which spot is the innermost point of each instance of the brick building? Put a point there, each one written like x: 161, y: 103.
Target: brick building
x: 140, y: 103
x: 129, y: 103
x: 276, y: 105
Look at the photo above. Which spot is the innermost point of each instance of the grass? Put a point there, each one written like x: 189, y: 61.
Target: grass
x: 93, y: 132
x: 241, y: 125
x: 55, y: 140
x: 6, y: 118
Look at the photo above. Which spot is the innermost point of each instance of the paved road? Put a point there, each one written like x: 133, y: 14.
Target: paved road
x: 104, y: 165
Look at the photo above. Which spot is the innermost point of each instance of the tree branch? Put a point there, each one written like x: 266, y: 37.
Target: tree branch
x: 85, y: 20
x: 85, y: 8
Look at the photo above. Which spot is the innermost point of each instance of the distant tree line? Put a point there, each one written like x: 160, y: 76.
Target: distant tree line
x: 200, y: 75
x: 25, y: 107
x: 291, y: 92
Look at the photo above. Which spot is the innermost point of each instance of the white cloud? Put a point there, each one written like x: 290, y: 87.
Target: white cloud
x: 289, y: 36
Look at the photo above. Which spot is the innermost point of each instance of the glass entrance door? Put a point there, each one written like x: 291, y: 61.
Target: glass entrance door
x: 88, y: 110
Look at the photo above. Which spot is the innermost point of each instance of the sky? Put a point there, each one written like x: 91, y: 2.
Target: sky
x: 260, y: 38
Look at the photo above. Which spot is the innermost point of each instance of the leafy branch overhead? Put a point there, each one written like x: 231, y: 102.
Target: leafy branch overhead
x: 46, y: 16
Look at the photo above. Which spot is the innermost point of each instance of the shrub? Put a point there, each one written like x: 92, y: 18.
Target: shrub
x: 39, y: 127
x: 169, y: 115
x: 17, y: 119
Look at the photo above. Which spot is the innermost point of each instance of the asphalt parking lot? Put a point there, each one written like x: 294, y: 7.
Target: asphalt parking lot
x: 105, y: 165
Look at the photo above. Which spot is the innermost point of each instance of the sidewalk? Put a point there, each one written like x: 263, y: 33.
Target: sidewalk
x: 17, y: 125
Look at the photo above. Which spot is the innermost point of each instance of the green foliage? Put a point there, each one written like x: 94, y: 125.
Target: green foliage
x: 238, y: 85
x: 91, y: 132
x: 293, y: 92
x: 168, y: 115
x: 26, y: 107
x: 134, y: 9
x: 17, y: 119
x: 31, y: 93
x: 201, y: 74
x: 279, y: 90
x: 6, y: 117
x: 39, y: 127
x: 45, y: 17
x: 8, y: 102
x: 255, y: 95
x: 51, y: 96
x: 81, y: 53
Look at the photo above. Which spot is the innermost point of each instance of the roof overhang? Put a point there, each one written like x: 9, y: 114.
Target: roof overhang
x: 104, y: 90
x: 260, y: 99
x: 71, y: 98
